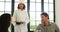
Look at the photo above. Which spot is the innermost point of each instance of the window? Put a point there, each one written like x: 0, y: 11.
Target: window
x: 48, y: 7
x: 5, y: 6
x: 35, y: 11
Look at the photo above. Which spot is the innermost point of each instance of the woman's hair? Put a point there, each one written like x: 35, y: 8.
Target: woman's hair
x: 22, y: 4
x: 45, y: 14
x: 5, y: 22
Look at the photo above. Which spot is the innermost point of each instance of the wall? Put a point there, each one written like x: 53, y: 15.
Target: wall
x: 57, y: 12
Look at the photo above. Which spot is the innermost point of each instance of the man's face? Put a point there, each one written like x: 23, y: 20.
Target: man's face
x: 44, y: 18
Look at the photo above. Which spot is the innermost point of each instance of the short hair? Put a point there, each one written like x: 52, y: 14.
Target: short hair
x: 4, y: 22
x: 45, y: 14
x: 23, y: 5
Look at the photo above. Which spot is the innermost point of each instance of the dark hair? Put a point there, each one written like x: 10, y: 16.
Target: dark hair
x: 45, y: 14
x: 5, y: 22
x: 23, y: 5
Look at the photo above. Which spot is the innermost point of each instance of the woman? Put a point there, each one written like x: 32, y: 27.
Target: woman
x: 21, y: 18
x: 5, y: 20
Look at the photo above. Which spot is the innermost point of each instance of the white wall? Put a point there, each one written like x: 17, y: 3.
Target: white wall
x: 57, y: 8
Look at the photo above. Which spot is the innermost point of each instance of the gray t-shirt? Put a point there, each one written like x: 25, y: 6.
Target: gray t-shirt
x: 52, y: 27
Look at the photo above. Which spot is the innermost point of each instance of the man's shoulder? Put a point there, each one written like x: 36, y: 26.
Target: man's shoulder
x: 53, y: 24
x: 40, y: 25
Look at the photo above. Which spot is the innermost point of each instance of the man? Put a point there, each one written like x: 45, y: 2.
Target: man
x: 46, y: 25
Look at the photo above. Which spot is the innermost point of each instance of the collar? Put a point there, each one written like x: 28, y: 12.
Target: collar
x: 19, y: 9
x: 48, y: 23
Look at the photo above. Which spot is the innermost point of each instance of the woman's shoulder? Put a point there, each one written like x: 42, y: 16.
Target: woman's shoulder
x: 16, y: 11
x: 25, y: 9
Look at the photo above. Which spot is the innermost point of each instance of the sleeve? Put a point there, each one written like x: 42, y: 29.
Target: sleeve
x: 56, y: 28
x: 27, y: 19
x: 14, y: 18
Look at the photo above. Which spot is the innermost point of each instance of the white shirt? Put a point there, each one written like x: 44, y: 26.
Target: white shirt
x: 20, y: 15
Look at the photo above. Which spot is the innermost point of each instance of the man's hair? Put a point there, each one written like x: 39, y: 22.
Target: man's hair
x: 23, y: 5
x: 45, y: 14
x: 4, y: 22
